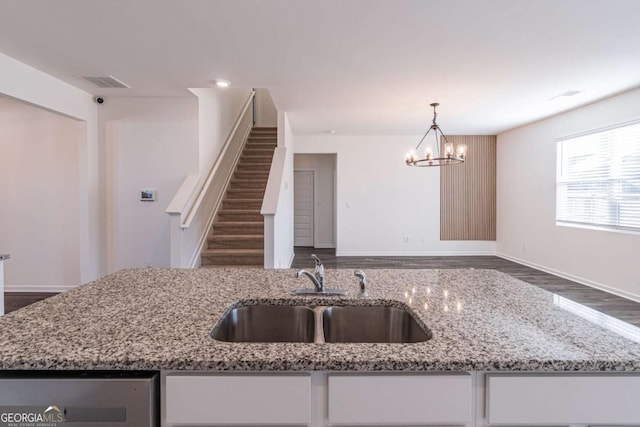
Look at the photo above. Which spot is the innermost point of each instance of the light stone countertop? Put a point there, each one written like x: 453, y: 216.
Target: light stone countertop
x: 161, y: 318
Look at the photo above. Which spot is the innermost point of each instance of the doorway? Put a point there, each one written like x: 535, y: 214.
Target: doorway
x: 303, y: 210
x: 314, y: 200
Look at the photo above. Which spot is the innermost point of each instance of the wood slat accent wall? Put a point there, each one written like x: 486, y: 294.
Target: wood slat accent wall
x: 468, y: 191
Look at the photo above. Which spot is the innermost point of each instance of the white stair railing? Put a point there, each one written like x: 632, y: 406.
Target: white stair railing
x: 196, y: 203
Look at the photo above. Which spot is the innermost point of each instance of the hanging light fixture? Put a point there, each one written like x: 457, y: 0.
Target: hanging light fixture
x: 432, y: 157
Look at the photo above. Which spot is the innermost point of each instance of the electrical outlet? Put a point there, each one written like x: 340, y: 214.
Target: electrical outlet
x: 405, y: 239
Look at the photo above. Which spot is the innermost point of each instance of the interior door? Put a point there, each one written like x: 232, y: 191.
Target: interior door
x: 303, y: 208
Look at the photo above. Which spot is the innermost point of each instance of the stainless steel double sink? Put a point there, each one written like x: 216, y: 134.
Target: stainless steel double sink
x: 319, y: 324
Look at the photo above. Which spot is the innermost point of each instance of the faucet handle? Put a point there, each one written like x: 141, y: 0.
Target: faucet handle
x: 317, y: 260
x: 319, y: 266
x: 363, y: 282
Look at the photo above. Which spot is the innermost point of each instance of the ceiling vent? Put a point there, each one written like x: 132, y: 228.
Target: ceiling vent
x: 108, y: 82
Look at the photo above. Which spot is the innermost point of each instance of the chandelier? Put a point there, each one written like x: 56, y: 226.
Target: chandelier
x: 451, y: 156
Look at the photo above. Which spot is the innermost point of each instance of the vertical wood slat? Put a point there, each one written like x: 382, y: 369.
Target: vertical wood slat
x: 468, y: 191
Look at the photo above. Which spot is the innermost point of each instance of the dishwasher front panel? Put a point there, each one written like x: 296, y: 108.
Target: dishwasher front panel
x: 109, y: 400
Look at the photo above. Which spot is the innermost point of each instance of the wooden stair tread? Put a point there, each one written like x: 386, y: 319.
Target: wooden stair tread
x: 249, y: 180
x: 233, y: 251
x: 228, y: 213
x: 234, y: 223
x: 235, y: 237
x: 240, y: 201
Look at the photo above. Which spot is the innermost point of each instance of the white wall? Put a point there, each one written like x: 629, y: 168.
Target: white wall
x: 277, y: 206
x: 324, y: 167
x: 527, y: 231
x: 381, y: 201
x: 218, y: 110
x: 40, y: 197
x: 22, y: 82
x: 266, y: 113
x: 150, y: 143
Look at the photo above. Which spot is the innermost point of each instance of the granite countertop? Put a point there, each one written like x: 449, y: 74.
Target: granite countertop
x: 161, y: 318
x: 4, y: 256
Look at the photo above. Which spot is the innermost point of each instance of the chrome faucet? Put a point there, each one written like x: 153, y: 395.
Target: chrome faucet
x: 318, y: 275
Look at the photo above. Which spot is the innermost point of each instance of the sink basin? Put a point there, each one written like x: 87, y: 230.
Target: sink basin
x: 266, y: 323
x: 334, y: 324
x: 371, y: 324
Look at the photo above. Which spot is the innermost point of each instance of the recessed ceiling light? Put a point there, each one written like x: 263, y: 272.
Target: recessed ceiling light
x: 223, y: 83
x: 571, y: 92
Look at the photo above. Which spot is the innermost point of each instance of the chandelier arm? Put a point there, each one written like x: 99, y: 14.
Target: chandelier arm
x: 443, y: 135
x: 446, y: 141
x: 422, y: 140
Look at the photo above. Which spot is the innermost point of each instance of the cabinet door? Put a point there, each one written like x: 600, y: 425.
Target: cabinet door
x: 400, y: 399
x: 563, y: 399
x: 238, y: 399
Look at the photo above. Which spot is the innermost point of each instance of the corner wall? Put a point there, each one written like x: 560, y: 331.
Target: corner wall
x: 149, y: 143
x: 266, y: 113
x: 218, y: 109
x: 527, y: 230
x: 284, y: 216
x: 25, y: 83
x: 385, y: 208
x: 39, y: 197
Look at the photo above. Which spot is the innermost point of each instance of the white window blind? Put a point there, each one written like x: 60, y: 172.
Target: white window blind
x: 598, y: 179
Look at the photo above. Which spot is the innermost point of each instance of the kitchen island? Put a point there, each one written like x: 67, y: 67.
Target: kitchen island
x: 483, y: 323
x: 154, y: 319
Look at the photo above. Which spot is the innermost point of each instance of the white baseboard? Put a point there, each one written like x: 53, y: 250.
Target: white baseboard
x: 38, y: 288
x: 577, y: 279
x: 438, y: 253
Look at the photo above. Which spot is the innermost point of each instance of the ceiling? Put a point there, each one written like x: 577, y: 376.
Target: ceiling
x: 356, y: 66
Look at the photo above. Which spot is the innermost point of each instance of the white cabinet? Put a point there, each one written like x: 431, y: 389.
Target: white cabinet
x: 237, y: 399
x: 560, y: 399
x: 317, y: 399
x: 400, y: 399
x: 324, y: 399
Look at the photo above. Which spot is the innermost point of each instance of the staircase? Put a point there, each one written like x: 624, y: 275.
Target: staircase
x: 237, y: 235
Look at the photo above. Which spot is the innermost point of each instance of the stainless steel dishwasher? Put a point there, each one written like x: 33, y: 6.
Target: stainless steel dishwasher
x: 87, y: 398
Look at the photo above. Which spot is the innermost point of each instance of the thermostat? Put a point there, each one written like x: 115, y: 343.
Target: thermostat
x: 148, y: 195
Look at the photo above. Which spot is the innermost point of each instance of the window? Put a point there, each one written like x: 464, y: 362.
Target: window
x: 598, y: 180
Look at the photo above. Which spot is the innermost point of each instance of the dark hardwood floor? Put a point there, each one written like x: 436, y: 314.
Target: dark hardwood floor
x: 613, y: 305
x: 16, y: 300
